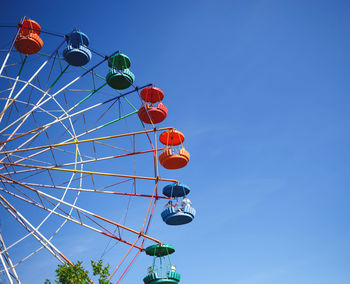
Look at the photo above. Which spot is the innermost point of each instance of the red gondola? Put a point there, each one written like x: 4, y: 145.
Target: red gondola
x: 149, y: 113
x: 152, y: 94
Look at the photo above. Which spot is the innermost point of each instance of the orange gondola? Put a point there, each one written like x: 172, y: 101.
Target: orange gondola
x: 28, y: 40
x: 171, y: 160
x: 173, y: 157
x: 172, y: 137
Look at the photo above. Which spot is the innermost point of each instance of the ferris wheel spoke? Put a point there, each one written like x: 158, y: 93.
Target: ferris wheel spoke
x: 44, y: 127
x: 42, y: 206
x: 33, y: 160
x: 9, y: 101
x: 67, y: 216
x: 31, y: 201
x: 9, y: 52
x: 24, y: 117
x: 101, y: 190
x: 34, y: 106
x: 108, y: 158
x: 35, y: 75
x: 150, y: 204
x: 33, y: 130
x: 36, y: 135
x: 6, y: 90
x: 31, y: 113
x: 128, y: 267
x: 33, y: 231
x: 6, y: 269
x: 87, y: 140
x: 92, y: 173
x: 91, y: 160
x: 127, y: 253
x: 140, y: 233
x: 41, y: 101
x: 63, y: 117
x: 8, y: 260
x: 78, y: 136
x: 56, y: 206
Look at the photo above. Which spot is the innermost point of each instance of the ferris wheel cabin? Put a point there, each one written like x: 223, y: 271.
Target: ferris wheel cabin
x: 174, y: 214
x: 152, y: 110
x: 76, y: 52
x: 119, y: 76
x: 174, y: 156
x: 28, y: 40
x: 161, y: 274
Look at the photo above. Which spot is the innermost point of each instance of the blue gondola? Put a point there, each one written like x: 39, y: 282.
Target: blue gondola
x: 176, y: 190
x: 178, y: 215
x: 76, y: 52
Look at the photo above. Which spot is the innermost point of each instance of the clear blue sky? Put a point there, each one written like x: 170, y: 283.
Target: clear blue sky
x: 261, y: 91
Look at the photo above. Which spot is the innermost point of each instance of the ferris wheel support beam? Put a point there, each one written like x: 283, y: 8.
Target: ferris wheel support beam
x: 109, y: 157
x: 140, y: 250
x: 91, y: 190
x: 90, y: 172
x: 84, y: 161
x: 6, y: 269
x: 86, y: 140
x: 11, y: 267
x: 149, y: 219
x: 29, y: 227
x: 150, y: 204
x: 127, y: 268
x: 69, y: 218
x: 127, y: 253
x: 82, y: 210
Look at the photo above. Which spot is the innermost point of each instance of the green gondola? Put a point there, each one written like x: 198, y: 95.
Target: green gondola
x: 165, y: 272
x: 119, y: 76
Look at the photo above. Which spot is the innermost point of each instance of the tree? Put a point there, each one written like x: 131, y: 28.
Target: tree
x: 76, y: 274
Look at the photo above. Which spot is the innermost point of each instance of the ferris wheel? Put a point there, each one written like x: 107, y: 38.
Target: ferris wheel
x: 77, y: 136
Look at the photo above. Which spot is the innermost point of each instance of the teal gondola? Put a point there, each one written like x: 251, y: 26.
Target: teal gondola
x: 119, y: 76
x: 165, y: 272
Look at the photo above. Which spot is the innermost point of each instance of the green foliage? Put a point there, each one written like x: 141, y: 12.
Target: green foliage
x: 103, y: 272
x: 68, y: 274
x: 76, y: 274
